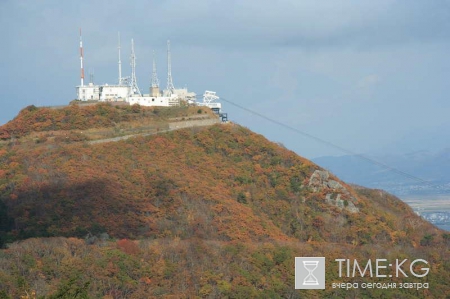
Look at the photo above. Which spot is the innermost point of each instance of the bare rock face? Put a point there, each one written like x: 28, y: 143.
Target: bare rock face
x: 337, y: 196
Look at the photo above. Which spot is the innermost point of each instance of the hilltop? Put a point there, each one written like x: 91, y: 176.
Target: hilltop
x: 92, y: 121
x: 209, y: 211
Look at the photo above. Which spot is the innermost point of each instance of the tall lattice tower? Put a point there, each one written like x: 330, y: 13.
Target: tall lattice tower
x: 170, y: 87
x: 120, y: 61
x: 155, y: 81
x: 154, y: 87
x: 134, y: 86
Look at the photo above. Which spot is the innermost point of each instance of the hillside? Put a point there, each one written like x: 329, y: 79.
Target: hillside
x: 215, y: 211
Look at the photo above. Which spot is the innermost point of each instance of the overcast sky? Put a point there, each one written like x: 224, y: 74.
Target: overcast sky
x: 370, y: 76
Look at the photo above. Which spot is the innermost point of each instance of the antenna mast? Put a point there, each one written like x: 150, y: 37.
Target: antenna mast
x: 134, y: 87
x: 120, y: 61
x: 155, y: 81
x: 170, y: 86
x: 81, y: 60
x: 91, y: 76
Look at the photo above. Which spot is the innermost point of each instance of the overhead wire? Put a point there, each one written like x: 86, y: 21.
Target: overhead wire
x: 340, y: 148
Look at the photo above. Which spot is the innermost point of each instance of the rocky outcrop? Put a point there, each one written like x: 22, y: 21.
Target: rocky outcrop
x: 337, y: 195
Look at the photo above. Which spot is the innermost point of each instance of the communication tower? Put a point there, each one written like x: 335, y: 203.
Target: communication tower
x: 91, y: 77
x: 81, y: 60
x: 170, y: 87
x: 134, y: 86
x: 155, y: 81
x: 120, y: 61
x: 154, y: 89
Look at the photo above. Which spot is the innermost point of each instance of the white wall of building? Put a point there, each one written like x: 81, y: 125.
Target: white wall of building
x: 89, y: 92
x: 147, y: 100
x: 114, y: 92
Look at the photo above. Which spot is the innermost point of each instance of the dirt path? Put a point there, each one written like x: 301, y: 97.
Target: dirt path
x: 172, y: 127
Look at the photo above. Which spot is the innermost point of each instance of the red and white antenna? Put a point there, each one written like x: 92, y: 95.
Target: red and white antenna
x: 81, y: 60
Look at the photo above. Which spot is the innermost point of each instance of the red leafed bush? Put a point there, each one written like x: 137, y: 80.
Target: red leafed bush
x: 128, y: 246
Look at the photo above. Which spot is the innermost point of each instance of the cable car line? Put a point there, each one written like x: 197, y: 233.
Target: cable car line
x: 340, y: 148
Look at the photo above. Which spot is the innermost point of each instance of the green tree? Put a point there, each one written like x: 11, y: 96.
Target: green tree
x: 71, y: 289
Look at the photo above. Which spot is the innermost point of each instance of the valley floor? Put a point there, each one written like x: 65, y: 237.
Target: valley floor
x: 433, y: 208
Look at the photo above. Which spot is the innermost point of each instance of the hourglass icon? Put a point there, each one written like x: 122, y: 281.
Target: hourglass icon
x: 310, y: 273
x: 310, y: 279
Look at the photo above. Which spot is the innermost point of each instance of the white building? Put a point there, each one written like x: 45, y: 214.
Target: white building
x: 148, y: 100
x: 114, y: 93
x: 88, y: 92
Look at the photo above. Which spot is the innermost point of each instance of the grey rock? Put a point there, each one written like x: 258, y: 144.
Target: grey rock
x: 320, y: 180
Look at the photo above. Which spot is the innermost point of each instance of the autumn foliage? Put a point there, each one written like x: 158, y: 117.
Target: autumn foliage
x: 75, y: 117
x: 200, y: 212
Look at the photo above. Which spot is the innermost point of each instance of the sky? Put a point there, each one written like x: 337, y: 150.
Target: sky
x: 369, y: 76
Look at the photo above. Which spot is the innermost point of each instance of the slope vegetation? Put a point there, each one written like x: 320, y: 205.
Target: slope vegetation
x: 212, y: 212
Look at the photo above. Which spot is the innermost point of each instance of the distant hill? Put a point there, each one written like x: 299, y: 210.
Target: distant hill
x: 432, y: 167
x: 207, y: 211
